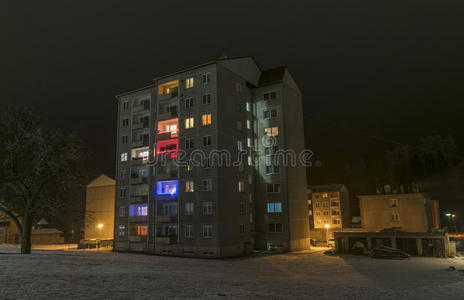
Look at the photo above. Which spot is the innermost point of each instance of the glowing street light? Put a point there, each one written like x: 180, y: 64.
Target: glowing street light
x: 327, y: 226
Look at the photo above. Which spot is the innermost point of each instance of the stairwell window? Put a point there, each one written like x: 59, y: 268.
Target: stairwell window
x: 189, y: 83
x: 189, y: 123
x: 206, y: 119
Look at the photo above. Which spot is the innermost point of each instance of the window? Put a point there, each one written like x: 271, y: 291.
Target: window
x: 273, y: 187
x: 336, y: 221
x: 123, y: 192
x: 326, y: 212
x: 238, y: 87
x: 207, y: 231
x: 250, y: 161
x: 242, y: 208
x: 124, y: 139
x: 207, y: 140
x: 335, y: 212
x: 248, y: 124
x: 275, y: 207
x: 239, y: 146
x: 242, y: 229
x: 270, y: 113
x: 189, y: 143
x: 249, y: 142
x: 206, y: 119
x: 125, y: 122
x: 124, y: 156
x: 206, y: 99
x: 207, y: 208
x: 122, y: 230
x: 189, y: 83
x: 168, y: 146
x: 395, y: 217
x: 325, y: 204
x: 188, y: 102
x: 335, y: 203
x: 275, y: 227
x: 207, y: 184
x: 325, y: 195
x: 188, y: 230
x: 189, y: 208
x: 206, y: 163
x: 189, y: 186
x: 318, y: 213
x: 270, y: 150
x: 318, y: 204
x: 241, y: 186
x: 272, y: 169
x: 248, y: 106
x: 239, y: 125
x: 170, y: 209
x: 189, y: 123
x: 123, y: 174
x: 138, y: 210
x: 250, y: 179
x: 142, y: 230
x: 125, y: 105
x: 271, y: 131
x: 393, y: 202
x: 206, y: 78
x: 269, y: 96
x: 122, y: 211
x: 168, y: 187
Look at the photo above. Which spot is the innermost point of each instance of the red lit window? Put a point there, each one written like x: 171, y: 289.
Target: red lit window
x: 168, y: 146
x: 142, y: 230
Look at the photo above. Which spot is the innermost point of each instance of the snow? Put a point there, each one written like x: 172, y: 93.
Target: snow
x: 50, y: 274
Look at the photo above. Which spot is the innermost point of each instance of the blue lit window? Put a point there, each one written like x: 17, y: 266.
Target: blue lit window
x: 274, y: 207
x: 138, y: 210
x: 168, y: 187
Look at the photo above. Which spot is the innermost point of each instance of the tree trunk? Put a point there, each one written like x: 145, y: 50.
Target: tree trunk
x: 26, y: 234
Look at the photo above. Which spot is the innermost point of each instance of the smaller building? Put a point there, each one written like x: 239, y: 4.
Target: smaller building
x: 411, y: 212
x: 99, y: 209
x: 329, y: 205
x: 8, y: 231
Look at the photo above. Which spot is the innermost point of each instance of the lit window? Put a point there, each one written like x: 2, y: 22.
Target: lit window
x: 241, y: 186
x: 249, y: 142
x: 207, y: 208
x: 274, y: 207
x: 250, y: 161
x: 206, y: 119
x: 168, y: 126
x: 248, y: 106
x: 124, y: 156
x: 168, y: 146
x: 207, y: 231
x: 168, y: 187
x: 239, y: 146
x: 138, y: 210
x: 271, y: 131
x: 142, y: 230
x: 189, y: 83
x: 189, y: 208
x: 189, y: 123
x: 207, y: 185
x: 248, y: 124
x: 269, y: 96
x: 325, y: 195
x: 207, y: 140
x: 140, y: 153
x: 122, y: 230
x: 170, y: 87
x: 189, y: 186
x: 206, y: 78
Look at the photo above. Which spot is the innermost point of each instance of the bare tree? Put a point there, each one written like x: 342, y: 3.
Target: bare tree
x: 41, y: 170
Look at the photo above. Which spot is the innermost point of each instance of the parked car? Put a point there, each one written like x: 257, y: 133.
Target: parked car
x: 331, y: 242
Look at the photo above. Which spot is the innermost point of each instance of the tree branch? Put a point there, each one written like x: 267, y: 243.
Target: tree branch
x: 12, y: 217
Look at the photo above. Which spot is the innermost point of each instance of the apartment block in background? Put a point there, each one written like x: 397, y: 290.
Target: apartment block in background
x: 329, y: 205
x: 200, y: 207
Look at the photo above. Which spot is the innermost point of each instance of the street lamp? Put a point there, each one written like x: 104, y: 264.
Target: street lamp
x: 327, y: 226
x: 454, y: 222
x: 449, y: 219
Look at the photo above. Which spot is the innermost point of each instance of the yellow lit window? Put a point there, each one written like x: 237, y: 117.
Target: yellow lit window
x: 272, y: 131
x: 206, y: 119
x: 189, y: 83
x: 189, y: 123
x: 189, y: 186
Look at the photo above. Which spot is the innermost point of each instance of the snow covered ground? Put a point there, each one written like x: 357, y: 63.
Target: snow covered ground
x: 50, y: 274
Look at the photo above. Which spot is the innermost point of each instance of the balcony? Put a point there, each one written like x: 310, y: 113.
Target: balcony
x: 140, y: 125
x: 167, y: 172
x: 168, y: 90
x: 137, y: 219
x: 168, y: 129
x: 167, y: 146
x: 166, y: 219
x: 138, y: 238
x: 172, y: 113
x: 138, y: 199
x: 141, y: 107
x: 173, y: 92
x: 138, y: 180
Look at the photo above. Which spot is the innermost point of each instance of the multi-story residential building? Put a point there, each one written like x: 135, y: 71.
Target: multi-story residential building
x: 412, y: 212
x: 198, y: 167
x: 329, y: 206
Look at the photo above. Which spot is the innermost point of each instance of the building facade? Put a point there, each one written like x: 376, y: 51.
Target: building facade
x: 198, y: 166
x: 412, y: 212
x: 99, y: 209
x: 329, y: 206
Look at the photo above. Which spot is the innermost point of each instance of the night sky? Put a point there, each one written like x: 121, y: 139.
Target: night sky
x: 369, y: 71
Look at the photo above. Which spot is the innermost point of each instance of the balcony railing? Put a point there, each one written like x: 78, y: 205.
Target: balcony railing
x: 172, y: 94
x: 168, y: 115
x: 139, y: 143
x: 139, y: 180
x: 166, y: 219
x: 141, y: 107
x: 137, y: 238
x: 140, y: 125
x: 139, y: 199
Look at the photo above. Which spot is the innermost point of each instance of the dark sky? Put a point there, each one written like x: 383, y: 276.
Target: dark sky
x: 368, y: 70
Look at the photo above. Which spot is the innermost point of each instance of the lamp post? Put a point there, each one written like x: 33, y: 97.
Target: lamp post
x: 449, y: 219
x: 454, y: 222
x: 327, y: 226
x: 100, y: 226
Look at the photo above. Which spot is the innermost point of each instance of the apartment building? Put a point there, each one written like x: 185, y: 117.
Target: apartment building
x: 329, y: 206
x: 412, y: 212
x: 198, y: 170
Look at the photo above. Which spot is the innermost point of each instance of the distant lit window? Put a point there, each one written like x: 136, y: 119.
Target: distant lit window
x: 189, y: 186
x: 124, y: 156
x: 248, y: 122
x: 189, y: 83
x: 324, y: 195
x: 248, y: 106
x: 138, y: 210
x: 122, y: 230
x: 168, y: 187
x: 206, y: 78
x: 275, y: 207
x: 271, y: 131
x: 189, y: 123
x: 142, y: 230
x: 241, y: 186
x: 206, y: 119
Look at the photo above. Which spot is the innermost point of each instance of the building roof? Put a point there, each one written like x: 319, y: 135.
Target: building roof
x: 272, y: 75
x: 336, y: 187
x: 46, y: 231
x: 102, y: 180
x: 136, y: 90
